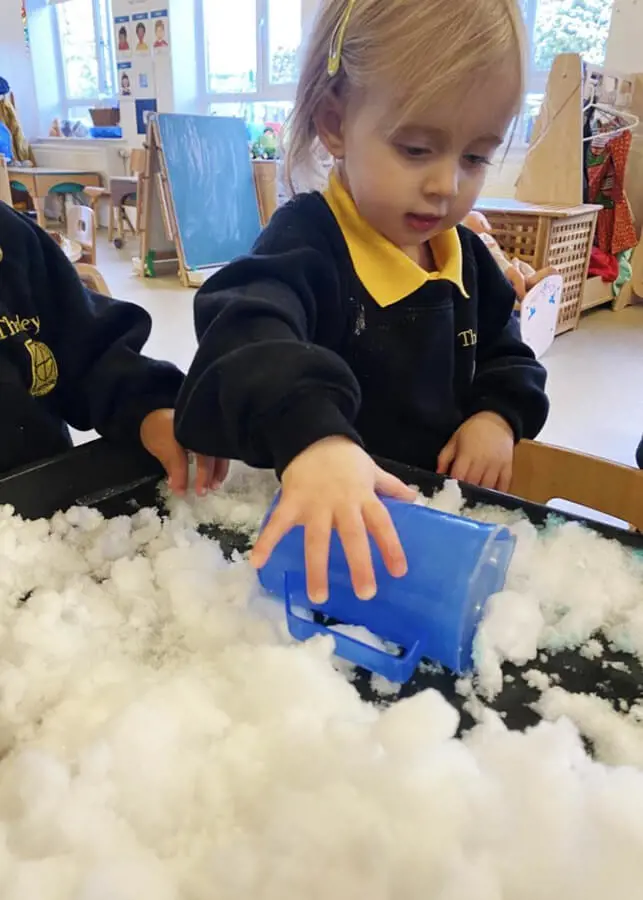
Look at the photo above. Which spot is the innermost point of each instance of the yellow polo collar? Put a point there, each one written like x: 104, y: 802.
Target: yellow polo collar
x: 386, y: 272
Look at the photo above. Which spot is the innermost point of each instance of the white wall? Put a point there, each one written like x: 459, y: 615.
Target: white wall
x: 16, y: 64
x: 625, y: 42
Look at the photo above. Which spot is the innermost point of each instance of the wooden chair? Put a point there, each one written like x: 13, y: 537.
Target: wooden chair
x: 125, y: 194
x: 81, y: 227
x: 92, y: 279
x: 543, y: 473
x: 96, y: 194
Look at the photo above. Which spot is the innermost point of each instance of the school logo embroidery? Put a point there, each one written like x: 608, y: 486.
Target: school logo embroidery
x: 469, y: 337
x: 44, y: 369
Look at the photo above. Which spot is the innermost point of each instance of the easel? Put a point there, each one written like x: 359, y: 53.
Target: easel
x: 160, y: 250
x: 199, y: 201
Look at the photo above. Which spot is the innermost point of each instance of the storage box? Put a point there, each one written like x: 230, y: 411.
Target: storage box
x: 105, y: 117
x: 548, y: 236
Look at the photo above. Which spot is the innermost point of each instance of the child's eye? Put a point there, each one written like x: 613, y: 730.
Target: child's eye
x: 476, y: 161
x: 413, y: 152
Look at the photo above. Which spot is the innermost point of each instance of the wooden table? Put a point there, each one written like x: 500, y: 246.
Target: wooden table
x: 39, y: 182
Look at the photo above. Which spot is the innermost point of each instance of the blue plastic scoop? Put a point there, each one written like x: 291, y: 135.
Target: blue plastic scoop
x: 455, y: 565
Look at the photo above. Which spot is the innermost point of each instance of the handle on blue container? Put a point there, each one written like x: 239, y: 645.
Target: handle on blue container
x: 395, y: 668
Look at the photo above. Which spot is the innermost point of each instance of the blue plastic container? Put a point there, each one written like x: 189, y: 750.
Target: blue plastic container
x: 455, y: 565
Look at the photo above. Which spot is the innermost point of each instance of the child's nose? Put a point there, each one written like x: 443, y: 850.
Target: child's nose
x: 442, y: 180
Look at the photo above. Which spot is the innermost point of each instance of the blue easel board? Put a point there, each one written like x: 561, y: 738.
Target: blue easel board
x: 208, y: 167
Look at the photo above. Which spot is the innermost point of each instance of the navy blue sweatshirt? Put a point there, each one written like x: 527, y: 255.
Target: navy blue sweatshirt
x: 67, y: 356
x: 293, y: 346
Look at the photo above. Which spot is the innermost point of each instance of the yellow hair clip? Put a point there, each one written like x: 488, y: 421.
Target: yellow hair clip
x: 337, y: 40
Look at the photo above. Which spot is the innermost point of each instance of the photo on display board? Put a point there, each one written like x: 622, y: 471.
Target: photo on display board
x: 141, y: 27
x: 143, y: 78
x: 144, y: 109
x: 160, y: 31
x: 125, y: 79
x: 122, y: 38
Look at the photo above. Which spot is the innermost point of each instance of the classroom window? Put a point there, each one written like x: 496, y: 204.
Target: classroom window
x: 85, y: 55
x: 560, y: 26
x: 251, y: 57
x: 284, y: 38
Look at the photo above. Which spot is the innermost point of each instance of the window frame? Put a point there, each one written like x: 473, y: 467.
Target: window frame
x: 105, y: 61
x: 265, y: 92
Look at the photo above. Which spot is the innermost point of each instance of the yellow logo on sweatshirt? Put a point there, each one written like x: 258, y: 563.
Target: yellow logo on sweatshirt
x: 44, y: 368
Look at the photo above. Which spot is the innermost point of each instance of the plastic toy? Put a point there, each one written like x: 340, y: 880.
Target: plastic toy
x: 455, y: 564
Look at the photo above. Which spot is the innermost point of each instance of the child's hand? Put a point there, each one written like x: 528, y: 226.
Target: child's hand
x: 333, y: 484
x: 157, y: 436
x: 480, y: 452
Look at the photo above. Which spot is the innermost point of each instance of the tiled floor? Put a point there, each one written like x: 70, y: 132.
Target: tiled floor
x: 595, y: 373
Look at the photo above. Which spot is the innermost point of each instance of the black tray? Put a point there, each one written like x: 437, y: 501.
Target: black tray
x: 120, y: 480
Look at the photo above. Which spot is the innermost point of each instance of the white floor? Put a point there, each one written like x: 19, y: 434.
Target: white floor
x: 595, y: 373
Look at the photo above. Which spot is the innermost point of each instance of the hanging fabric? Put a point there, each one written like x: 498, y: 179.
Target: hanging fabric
x: 606, y: 164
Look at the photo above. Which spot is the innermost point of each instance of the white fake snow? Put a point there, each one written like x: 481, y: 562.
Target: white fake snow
x: 161, y: 738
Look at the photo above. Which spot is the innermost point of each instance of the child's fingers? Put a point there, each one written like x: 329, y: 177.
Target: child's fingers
x: 204, y: 474
x: 380, y: 525
x: 390, y: 486
x: 460, y: 467
x: 504, y: 480
x: 220, y: 473
x: 283, y: 519
x: 491, y: 476
x: 475, y: 472
x: 446, y: 458
x: 317, y: 549
x: 353, y: 535
x: 175, y: 462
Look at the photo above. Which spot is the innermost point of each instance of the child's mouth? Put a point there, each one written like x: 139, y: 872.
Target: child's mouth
x: 422, y: 224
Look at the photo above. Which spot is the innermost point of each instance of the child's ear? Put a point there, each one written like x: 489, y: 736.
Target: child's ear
x: 329, y: 124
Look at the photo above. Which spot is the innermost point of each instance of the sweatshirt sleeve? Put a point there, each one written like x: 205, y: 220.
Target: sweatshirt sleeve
x: 508, y: 379
x: 104, y: 381
x: 266, y: 382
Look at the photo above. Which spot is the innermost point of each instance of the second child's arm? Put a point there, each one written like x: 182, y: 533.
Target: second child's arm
x: 268, y: 386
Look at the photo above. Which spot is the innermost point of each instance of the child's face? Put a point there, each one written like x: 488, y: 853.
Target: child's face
x: 427, y: 177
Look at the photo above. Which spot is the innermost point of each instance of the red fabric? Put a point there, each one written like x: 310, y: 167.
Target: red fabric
x: 615, y: 229
x: 603, y: 264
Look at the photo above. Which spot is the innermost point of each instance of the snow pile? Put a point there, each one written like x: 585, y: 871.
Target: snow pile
x: 160, y: 737
x: 564, y: 585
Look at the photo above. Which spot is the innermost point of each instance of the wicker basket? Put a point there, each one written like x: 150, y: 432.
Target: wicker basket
x: 548, y: 236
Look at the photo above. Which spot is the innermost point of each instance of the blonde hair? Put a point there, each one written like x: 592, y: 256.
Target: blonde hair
x: 418, y: 48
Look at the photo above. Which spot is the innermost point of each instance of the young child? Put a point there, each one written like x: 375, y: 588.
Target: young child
x: 159, y: 34
x: 365, y: 322
x: 68, y: 356
x: 123, y: 40
x: 141, y: 32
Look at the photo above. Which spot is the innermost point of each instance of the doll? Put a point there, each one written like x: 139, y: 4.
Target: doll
x: 521, y: 275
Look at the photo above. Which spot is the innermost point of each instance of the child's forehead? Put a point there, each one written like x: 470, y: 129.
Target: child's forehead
x: 484, y: 108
